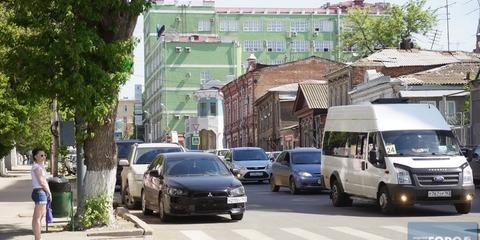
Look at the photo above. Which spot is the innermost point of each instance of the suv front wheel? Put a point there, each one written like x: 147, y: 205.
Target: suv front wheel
x: 127, y: 198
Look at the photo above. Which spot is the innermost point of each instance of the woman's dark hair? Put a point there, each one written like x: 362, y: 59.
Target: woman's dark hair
x: 35, y: 151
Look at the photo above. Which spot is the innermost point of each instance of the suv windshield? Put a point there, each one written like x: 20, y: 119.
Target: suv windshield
x: 185, y: 167
x: 306, y: 157
x: 146, y: 155
x: 249, y: 155
x: 420, y: 143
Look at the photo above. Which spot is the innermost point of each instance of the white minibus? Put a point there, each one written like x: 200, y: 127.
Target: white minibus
x: 396, y: 154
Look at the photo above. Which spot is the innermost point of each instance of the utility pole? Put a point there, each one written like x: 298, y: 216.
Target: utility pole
x: 448, y: 26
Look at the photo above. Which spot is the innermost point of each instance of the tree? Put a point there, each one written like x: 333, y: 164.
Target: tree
x: 364, y: 33
x: 80, y: 53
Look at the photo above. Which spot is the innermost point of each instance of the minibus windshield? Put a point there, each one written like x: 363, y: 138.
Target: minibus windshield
x: 420, y: 143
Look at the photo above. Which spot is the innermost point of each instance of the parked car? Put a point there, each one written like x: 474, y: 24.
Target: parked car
x: 396, y: 154
x: 473, y: 156
x: 220, y: 153
x: 273, y: 155
x: 249, y: 163
x: 191, y: 183
x: 298, y: 169
x: 123, y: 148
x: 141, y: 155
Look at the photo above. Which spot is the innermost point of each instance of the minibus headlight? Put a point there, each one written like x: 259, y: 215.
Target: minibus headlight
x: 403, y: 176
x: 467, y: 176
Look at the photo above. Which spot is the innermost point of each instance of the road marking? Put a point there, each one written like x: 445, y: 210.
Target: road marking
x: 252, y: 234
x: 196, y: 235
x: 304, y: 234
x: 358, y: 233
x: 399, y: 229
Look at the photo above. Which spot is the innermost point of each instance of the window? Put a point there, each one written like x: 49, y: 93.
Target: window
x: 275, y: 26
x: 204, y: 77
x: 299, y: 26
x: 213, y: 109
x: 203, y: 109
x: 323, y: 46
x: 252, y: 26
x: 323, y: 26
x: 253, y: 45
x: 204, y: 26
x: 344, y: 144
x: 125, y: 109
x: 300, y: 46
x: 229, y: 26
x: 275, y: 46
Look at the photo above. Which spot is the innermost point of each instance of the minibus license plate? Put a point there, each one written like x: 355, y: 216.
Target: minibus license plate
x: 232, y: 200
x: 439, y: 193
x: 256, y: 174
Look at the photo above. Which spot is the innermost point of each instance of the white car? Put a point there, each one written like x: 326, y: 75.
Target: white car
x: 141, y: 155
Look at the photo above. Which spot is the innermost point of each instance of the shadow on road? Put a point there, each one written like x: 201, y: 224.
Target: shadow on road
x: 185, y: 220
x: 9, y: 231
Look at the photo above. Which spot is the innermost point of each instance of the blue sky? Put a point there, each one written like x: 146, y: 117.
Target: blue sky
x: 464, y: 15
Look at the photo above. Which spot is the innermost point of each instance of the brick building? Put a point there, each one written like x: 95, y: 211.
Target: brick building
x: 311, y: 106
x: 389, y: 62
x: 241, y: 93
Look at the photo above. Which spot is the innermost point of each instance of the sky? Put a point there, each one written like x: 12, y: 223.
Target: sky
x: 464, y: 15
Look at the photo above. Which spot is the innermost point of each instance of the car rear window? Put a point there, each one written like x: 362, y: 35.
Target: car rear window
x: 249, y: 155
x: 306, y: 157
x: 146, y: 155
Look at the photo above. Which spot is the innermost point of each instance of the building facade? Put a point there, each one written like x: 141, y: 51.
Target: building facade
x: 241, y: 93
x: 389, y: 62
x: 205, y: 131
x: 188, y: 44
x: 125, y: 119
x: 274, y: 110
x: 310, y: 108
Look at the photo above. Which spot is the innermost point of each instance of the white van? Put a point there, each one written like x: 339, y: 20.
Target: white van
x: 397, y: 154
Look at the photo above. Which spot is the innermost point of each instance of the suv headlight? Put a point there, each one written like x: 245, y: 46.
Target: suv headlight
x: 403, y: 176
x: 467, y: 176
x: 239, y: 191
x: 304, y: 174
x: 176, y: 192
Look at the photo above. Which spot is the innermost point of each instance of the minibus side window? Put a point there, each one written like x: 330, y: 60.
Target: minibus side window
x: 376, y: 154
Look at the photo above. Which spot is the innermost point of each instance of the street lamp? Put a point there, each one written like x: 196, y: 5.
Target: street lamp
x: 149, y: 136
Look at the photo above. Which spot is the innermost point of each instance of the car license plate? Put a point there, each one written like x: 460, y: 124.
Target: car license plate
x: 439, y: 194
x: 231, y: 200
x: 256, y: 174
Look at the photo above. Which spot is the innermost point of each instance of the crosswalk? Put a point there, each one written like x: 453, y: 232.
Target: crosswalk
x: 321, y: 233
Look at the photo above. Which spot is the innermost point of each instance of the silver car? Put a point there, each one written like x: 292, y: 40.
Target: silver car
x: 249, y: 163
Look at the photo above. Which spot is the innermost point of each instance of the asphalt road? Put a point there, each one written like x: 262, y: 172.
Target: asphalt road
x: 309, y: 216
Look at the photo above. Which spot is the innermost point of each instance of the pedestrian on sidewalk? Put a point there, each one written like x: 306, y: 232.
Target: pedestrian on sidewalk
x: 41, y: 192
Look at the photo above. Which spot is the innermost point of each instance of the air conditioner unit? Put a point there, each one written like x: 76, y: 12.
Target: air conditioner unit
x: 265, y: 43
x: 294, y: 34
x: 178, y: 19
x: 188, y: 49
x: 315, y: 34
x: 212, y: 20
x: 177, y: 116
x: 178, y: 49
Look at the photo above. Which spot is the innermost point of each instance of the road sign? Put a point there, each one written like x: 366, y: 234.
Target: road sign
x: 195, y: 141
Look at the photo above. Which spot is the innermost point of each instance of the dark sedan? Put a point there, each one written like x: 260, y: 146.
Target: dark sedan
x: 191, y: 183
x: 298, y: 169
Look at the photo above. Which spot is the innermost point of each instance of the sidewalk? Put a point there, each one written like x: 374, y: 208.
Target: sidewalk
x: 16, y: 210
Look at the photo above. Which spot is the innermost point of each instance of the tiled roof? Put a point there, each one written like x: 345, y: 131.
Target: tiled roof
x: 451, y: 74
x: 315, y: 93
x: 414, y: 57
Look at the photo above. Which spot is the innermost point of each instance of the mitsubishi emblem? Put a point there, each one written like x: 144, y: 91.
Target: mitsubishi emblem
x: 438, y: 179
x: 210, y: 194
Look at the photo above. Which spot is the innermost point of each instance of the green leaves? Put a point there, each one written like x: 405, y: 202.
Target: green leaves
x: 364, y: 33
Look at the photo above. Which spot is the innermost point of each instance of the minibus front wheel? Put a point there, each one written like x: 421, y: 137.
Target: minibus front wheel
x: 339, y: 198
x: 385, y: 201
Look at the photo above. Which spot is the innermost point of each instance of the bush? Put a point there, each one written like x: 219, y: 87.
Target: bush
x: 96, y: 211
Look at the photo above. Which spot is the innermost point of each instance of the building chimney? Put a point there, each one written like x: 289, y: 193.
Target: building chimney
x: 252, y: 62
x: 406, y: 43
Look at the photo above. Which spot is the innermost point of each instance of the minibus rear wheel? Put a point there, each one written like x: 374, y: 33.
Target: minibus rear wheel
x: 463, y: 208
x: 339, y: 198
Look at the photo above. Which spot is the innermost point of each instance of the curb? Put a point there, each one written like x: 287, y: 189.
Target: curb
x: 124, y: 213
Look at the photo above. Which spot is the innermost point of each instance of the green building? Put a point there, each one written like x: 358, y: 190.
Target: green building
x: 202, y: 43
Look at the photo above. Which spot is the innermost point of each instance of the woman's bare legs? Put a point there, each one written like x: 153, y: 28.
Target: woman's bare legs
x: 38, y: 214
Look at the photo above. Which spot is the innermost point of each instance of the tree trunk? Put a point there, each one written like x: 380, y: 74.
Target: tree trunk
x: 101, y: 161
